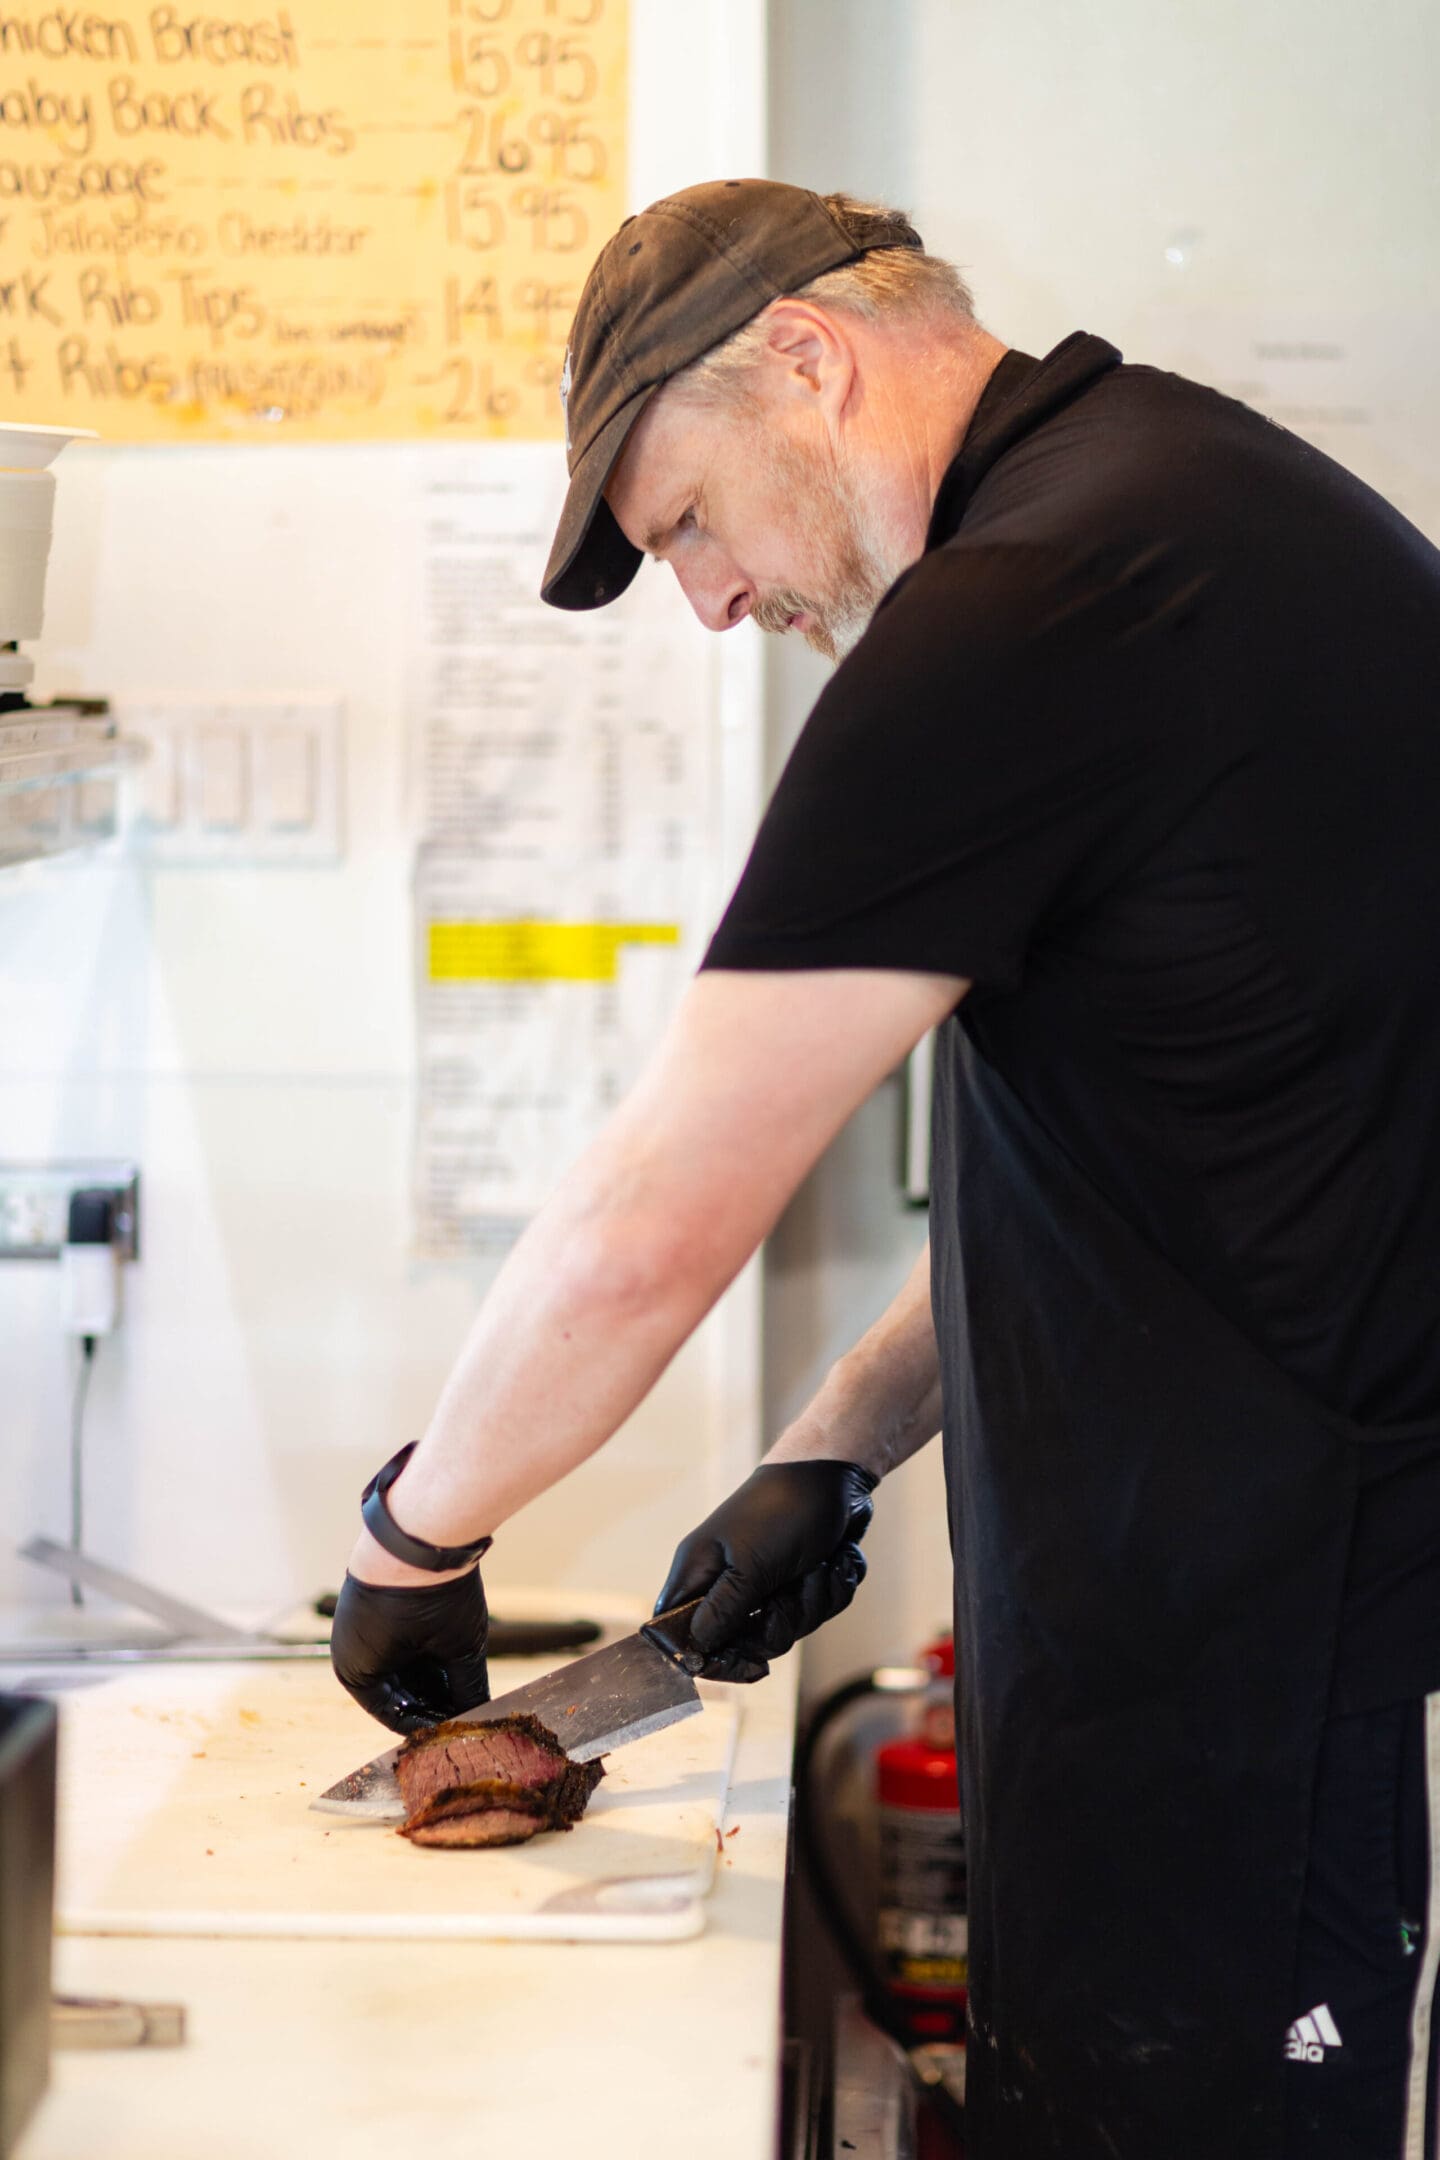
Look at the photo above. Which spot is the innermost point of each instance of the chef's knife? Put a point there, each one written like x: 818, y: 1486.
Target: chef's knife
x: 636, y: 1686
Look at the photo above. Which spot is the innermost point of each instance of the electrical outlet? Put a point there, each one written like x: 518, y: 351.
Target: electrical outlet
x: 35, y: 1205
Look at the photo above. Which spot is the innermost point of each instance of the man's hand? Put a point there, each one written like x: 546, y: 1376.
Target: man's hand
x: 412, y: 1654
x: 785, y: 1545
x: 775, y: 1561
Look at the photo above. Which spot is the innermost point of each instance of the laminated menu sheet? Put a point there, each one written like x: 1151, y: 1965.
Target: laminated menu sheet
x: 565, y: 778
x: 321, y: 221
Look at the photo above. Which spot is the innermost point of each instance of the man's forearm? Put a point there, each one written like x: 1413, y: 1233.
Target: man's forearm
x: 645, y: 1232
x: 582, y: 1320
x: 880, y: 1403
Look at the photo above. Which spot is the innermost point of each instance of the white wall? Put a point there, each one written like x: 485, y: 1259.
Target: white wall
x: 246, y: 1034
x: 1177, y: 178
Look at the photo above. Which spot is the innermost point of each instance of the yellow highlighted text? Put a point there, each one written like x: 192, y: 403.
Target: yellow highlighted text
x: 537, y: 951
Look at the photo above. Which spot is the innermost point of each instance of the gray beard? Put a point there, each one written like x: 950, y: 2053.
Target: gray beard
x: 845, y: 631
x: 859, y: 576
x: 838, y: 624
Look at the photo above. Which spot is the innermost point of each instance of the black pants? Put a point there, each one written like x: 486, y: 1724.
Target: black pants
x: 1361, y: 2056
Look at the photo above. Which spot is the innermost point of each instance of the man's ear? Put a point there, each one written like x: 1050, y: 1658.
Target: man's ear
x: 809, y: 357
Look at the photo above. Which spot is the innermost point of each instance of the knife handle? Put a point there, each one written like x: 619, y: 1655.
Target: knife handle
x: 670, y: 1632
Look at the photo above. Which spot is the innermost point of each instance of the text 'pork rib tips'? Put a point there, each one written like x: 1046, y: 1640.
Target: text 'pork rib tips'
x: 490, y: 1784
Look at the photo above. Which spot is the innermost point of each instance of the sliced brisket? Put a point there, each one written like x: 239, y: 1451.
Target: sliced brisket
x: 497, y: 1784
x: 518, y: 1750
x: 498, y: 1826
x: 489, y: 1813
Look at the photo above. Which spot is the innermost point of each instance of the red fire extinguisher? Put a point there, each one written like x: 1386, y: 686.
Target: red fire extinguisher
x: 922, y: 1930
x: 911, y: 1965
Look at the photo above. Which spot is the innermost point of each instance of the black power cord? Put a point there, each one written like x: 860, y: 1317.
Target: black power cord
x: 835, y: 1912
x: 77, y: 1459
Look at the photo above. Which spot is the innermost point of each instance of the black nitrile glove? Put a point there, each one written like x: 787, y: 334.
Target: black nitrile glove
x: 412, y: 1657
x: 775, y: 1561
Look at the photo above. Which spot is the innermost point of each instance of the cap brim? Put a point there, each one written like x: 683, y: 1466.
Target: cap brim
x: 591, y: 561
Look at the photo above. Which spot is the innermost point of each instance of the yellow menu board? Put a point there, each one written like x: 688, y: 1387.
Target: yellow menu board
x: 339, y: 220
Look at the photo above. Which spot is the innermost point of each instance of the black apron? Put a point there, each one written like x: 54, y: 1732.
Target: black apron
x: 1151, y: 1525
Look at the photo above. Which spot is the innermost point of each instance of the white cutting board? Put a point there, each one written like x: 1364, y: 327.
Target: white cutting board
x: 185, y: 1810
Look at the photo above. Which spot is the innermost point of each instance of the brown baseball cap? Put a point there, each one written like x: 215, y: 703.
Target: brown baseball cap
x: 675, y: 280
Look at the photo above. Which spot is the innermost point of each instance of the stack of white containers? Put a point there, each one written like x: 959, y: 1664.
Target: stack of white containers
x: 27, y: 515
x: 58, y: 763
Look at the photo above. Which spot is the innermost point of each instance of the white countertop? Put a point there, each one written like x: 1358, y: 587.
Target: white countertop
x: 364, y: 2050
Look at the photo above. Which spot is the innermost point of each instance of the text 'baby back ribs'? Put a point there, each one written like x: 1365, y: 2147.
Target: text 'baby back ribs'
x: 490, y: 1784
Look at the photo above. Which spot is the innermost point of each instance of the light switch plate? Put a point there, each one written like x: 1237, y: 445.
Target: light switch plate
x: 239, y: 782
x: 223, y: 757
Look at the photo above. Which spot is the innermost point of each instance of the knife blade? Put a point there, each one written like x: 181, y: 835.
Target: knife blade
x: 636, y: 1686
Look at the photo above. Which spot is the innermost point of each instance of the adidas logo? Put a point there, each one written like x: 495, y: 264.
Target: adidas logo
x: 1311, y: 2035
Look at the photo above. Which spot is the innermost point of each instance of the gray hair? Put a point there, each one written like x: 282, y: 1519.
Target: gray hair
x: 889, y: 283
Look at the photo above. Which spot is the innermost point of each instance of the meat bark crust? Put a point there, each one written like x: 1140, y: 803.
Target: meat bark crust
x: 466, y: 1785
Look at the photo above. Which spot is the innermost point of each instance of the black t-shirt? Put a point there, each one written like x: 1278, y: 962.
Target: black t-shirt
x: 1157, y: 715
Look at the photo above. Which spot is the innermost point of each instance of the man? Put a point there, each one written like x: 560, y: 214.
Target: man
x: 1132, y: 782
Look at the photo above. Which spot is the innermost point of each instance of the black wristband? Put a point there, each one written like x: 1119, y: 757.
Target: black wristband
x: 415, y: 1552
